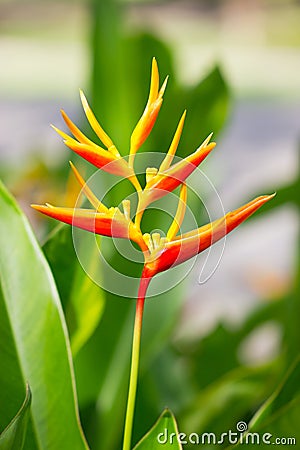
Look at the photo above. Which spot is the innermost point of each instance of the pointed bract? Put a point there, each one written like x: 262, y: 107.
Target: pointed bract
x: 103, y: 159
x: 149, y: 116
x: 75, y: 130
x: 165, y: 182
x: 190, y: 244
x: 174, y: 145
x: 108, y: 160
x: 99, y: 207
x: 179, y: 216
x: 112, y: 224
x: 104, y: 138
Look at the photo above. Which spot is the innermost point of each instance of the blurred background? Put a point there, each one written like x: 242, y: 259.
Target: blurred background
x: 235, y: 65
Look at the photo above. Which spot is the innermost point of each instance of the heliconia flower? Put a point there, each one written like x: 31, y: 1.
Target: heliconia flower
x: 160, y: 252
x: 174, y: 250
x: 147, y: 121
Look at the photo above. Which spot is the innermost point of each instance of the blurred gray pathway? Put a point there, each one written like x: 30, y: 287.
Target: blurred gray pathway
x: 256, y: 129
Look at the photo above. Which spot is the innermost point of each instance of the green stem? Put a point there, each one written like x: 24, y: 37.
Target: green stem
x: 135, y: 356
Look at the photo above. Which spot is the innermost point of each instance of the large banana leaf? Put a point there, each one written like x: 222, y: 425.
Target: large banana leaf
x: 34, y: 344
x: 13, y: 437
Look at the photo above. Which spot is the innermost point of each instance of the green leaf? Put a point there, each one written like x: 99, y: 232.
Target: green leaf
x: 280, y: 414
x: 85, y: 308
x: 164, y: 432
x: 238, y: 392
x: 60, y: 254
x: 278, y: 418
x: 82, y: 299
x: 34, y: 345
x: 13, y: 436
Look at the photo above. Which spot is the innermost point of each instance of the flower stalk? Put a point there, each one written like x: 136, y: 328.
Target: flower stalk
x: 135, y: 358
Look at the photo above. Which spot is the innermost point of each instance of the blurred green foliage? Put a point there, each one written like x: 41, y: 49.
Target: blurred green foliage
x: 203, y: 382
